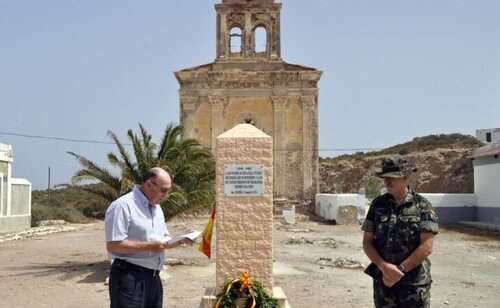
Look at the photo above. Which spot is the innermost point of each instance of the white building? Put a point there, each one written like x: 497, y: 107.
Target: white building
x: 487, y: 182
x: 488, y: 135
x: 15, y: 195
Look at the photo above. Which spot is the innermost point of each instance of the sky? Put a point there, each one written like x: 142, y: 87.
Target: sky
x: 72, y: 70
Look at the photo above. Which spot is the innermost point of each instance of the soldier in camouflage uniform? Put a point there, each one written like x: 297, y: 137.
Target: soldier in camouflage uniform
x: 398, y: 237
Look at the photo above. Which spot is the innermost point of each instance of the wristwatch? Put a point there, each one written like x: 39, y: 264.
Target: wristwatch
x: 401, y: 267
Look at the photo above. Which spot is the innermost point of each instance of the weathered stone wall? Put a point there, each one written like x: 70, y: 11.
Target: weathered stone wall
x: 290, y: 119
x: 247, y: 16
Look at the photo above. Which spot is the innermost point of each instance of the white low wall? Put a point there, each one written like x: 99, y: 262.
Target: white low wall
x: 451, y: 200
x: 12, y: 223
x: 450, y: 208
x: 327, y: 205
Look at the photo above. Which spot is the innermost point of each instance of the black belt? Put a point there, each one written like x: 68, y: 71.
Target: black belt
x: 122, y: 264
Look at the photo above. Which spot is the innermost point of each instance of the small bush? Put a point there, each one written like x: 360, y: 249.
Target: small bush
x: 45, y: 212
x: 373, y: 187
x: 66, y: 203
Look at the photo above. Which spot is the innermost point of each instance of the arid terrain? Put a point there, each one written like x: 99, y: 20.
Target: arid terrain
x: 443, y: 161
x: 316, y: 264
x: 439, y: 171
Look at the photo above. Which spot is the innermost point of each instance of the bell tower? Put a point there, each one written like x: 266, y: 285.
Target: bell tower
x: 248, y: 29
x: 250, y: 83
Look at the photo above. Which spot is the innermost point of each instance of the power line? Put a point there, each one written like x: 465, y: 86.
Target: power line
x: 57, y: 138
x: 359, y: 149
x: 128, y: 144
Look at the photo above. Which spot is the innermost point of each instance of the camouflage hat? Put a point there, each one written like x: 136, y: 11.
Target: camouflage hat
x: 395, y: 167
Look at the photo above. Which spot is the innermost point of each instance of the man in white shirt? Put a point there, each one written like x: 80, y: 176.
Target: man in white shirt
x: 135, y: 240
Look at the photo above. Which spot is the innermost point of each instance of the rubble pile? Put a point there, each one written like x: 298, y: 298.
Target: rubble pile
x: 340, y: 263
x: 44, y: 229
x: 301, y: 240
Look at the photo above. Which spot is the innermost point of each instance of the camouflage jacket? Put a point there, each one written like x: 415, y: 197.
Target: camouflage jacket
x: 396, y: 231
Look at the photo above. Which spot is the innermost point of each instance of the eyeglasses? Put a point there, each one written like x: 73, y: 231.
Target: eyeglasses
x: 163, y: 190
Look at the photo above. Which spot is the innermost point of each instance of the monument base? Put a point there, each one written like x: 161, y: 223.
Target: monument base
x: 208, y: 300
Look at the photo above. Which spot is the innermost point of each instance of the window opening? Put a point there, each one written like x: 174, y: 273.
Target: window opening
x: 488, y: 137
x: 260, y: 39
x: 235, y: 40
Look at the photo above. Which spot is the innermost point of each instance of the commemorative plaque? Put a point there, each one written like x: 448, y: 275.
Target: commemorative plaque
x: 244, y: 180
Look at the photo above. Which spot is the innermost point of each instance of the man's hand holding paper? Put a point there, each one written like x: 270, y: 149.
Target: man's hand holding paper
x: 186, y: 238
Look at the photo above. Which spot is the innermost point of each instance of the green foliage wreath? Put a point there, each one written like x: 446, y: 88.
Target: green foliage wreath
x: 253, y: 293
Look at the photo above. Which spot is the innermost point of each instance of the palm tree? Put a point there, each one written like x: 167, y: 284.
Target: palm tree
x: 191, y: 167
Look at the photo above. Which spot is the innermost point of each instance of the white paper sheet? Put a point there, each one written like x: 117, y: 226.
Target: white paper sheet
x: 192, y: 235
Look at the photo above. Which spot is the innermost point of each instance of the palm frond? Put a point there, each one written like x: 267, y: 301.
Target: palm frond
x: 125, y: 157
x: 106, y: 193
x: 191, y: 167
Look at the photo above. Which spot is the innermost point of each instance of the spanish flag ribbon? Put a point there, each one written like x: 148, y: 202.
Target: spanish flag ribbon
x: 205, y: 244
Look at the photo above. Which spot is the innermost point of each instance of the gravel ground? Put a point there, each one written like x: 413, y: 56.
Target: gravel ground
x: 316, y: 264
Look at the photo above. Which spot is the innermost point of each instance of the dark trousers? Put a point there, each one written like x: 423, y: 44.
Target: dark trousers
x: 401, y: 296
x: 133, y: 286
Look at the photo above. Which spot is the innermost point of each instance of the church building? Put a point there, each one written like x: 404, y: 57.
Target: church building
x: 250, y: 83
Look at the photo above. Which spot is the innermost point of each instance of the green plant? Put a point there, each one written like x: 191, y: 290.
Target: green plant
x: 373, y: 187
x: 191, y: 167
x: 253, y: 294
x: 41, y: 212
x: 68, y: 203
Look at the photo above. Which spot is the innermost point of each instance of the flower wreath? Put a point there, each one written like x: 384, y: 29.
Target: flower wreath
x: 242, y: 286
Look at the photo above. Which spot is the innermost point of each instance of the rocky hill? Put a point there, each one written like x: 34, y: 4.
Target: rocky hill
x: 443, y: 166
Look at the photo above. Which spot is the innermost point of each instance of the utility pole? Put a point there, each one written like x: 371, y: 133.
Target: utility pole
x: 48, y: 189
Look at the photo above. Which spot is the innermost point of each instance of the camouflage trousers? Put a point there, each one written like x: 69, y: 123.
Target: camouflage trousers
x: 401, y: 296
